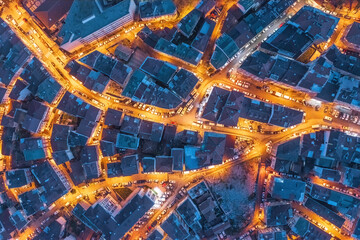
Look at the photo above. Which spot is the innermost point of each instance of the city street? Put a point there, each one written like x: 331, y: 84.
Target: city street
x: 54, y: 60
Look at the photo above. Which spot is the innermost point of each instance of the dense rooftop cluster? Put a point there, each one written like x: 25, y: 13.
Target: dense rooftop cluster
x: 324, y: 155
x: 150, y: 136
x: 226, y: 108
x: 189, y: 39
x: 246, y: 28
x: 333, y: 77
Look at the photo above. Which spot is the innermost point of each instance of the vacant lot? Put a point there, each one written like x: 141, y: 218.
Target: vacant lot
x: 234, y: 189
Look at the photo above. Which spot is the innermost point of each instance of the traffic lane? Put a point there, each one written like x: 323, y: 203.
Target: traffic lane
x: 317, y: 219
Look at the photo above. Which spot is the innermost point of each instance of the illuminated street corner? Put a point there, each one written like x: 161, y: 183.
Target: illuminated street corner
x: 180, y: 119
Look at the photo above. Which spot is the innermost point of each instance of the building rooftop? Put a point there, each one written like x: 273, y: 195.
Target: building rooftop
x: 130, y: 125
x: 97, y: 218
x: 7, y: 137
x: 202, y: 38
x: 307, y: 230
x: 227, y: 45
x: 205, y: 6
x: 87, y: 17
x: 240, y: 33
x: 183, y: 83
x: 114, y: 169
x: 31, y: 202
x: 78, y: 108
x: 226, y: 107
x: 194, y: 159
x: 327, y: 174
x: 48, y: 90
x: 151, y: 130
x: 36, y: 114
x: 131, y: 88
x: 116, y: 70
x: 160, y: 70
x: 14, y: 51
x: 17, y: 178
x: 272, y: 233
x: 212, y: 215
x: 19, y: 219
x: 256, y: 110
x: 163, y: 164
x: 52, y: 231
x: 317, y: 76
x: 32, y: 148
x: 356, y: 232
x: 130, y: 165
x: 190, y: 214
x: 124, y: 141
x: 63, y: 156
x: 289, y: 41
x: 89, y: 153
x: 187, y: 137
x: 214, y: 146
x: 246, y: 5
x: 275, y: 68
x: 256, y: 64
x: 324, y: 212
x: 316, y: 145
x: 100, y: 62
x: 342, y: 202
x: 187, y: 25
x: 346, y: 63
x: 231, y: 41
x: 286, y: 117
x: 7, y: 226
x: 34, y: 74
x: 155, y: 235
x: 215, y: 104
x: 351, y: 177
x: 178, y: 159
x: 109, y: 134
x: 113, y: 117
x: 219, y: 58
x: 123, y: 52
x: 290, y: 150
x: 174, y: 227
x: 152, y: 148
x: 231, y: 111
x: 278, y: 214
x: 91, y: 170
x: 319, y: 25
x: 348, y: 93
x: 133, y: 211
x: 142, y: 88
x: 156, y: 8
x: 182, y: 51
x: 107, y: 148
x: 93, y: 80
x: 2, y: 94
x: 234, y: 14
x: 50, y: 11
x: 86, y: 127
x: 75, y: 139
x: 288, y: 189
x: 353, y: 34
x: 148, y: 164
x: 54, y: 184
x: 121, y: 73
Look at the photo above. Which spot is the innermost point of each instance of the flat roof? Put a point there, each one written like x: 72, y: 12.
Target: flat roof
x: 86, y: 17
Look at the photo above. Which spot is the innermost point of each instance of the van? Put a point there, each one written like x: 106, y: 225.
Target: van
x: 328, y: 119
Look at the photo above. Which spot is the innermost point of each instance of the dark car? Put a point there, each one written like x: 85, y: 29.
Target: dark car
x: 154, y: 223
